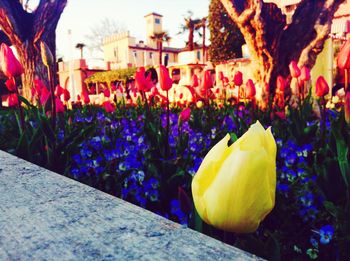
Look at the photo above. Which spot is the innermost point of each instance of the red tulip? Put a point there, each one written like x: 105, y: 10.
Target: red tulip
x: 280, y: 84
x: 59, y: 105
x: 294, y: 69
x: 113, y: 87
x: 78, y: 98
x: 221, y: 76
x: 322, y: 88
x: 207, y: 81
x: 44, y: 95
x: 11, y: 84
x: 10, y: 66
x: 59, y: 91
x: 185, y: 114
x: 194, y: 81
x: 343, y: 59
x: 250, y: 89
x: 66, y: 95
x: 164, y: 78
x: 281, y: 115
x: 85, y: 96
x: 347, y: 107
x: 143, y: 83
x: 106, y: 93
x: 109, y: 107
x: 238, y: 78
x: 304, y: 74
x: 12, y: 100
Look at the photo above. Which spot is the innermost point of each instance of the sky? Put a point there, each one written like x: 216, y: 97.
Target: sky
x: 80, y: 16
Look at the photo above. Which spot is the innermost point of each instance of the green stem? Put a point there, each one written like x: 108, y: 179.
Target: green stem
x: 53, y: 102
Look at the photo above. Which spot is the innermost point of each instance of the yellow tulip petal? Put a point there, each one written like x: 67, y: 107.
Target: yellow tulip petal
x: 234, y: 188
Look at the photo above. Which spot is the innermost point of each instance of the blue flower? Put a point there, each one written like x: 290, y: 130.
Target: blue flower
x: 326, y: 234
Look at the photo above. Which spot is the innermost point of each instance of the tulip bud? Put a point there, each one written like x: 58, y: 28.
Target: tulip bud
x: 109, y: 107
x: 294, y: 69
x: 304, y: 74
x: 106, y: 93
x: 343, y: 58
x: 221, y: 76
x: 199, y: 104
x: 206, y: 82
x: 66, y: 95
x: 280, y: 84
x: 12, y: 100
x: 322, y: 88
x: 250, y: 89
x: 10, y: 66
x: 185, y: 115
x: 59, y: 106
x: 234, y: 188
x: 238, y: 78
x: 194, y: 81
x: 347, y: 107
x: 164, y: 78
x: 11, y: 84
x: 46, y: 54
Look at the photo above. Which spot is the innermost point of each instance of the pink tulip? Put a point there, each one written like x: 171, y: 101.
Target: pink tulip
x: 185, y: 114
x: 44, y: 96
x: 109, y: 107
x: 143, y: 83
x: 343, y: 58
x: 280, y: 83
x: 238, y: 78
x: 59, y: 91
x: 164, y: 78
x: 322, y: 87
x: 59, y: 106
x: 304, y: 74
x: 294, y: 69
x: 12, y: 100
x: 106, y: 93
x: 11, y: 84
x: 250, y: 89
x: 10, y: 66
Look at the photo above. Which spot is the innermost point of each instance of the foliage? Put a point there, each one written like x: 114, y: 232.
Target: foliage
x: 111, y: 76
x: 225, y: 37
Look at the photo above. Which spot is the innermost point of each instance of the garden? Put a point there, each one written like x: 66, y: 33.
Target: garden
x: 260, y: 164
x: 151, y: 152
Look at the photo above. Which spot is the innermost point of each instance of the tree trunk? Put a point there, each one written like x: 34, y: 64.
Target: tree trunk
x: 190, y: 37
x: 26, y: 30
x: 273, y: 43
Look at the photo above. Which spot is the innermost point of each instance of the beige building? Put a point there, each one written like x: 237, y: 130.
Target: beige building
x: 123, y: 51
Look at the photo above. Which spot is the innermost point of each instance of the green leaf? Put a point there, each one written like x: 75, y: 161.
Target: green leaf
x: 342, y: 153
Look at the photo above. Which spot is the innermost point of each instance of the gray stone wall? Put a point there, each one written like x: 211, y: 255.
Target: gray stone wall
x: 46, y: 216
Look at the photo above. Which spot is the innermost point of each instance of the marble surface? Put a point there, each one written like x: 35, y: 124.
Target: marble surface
x: 45, y: 216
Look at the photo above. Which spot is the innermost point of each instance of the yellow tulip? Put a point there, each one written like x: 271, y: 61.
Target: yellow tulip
x: 234, y: 188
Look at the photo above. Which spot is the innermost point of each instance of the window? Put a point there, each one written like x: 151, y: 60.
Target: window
x: 150, y: 55
x: 157, y: 20
x: 135, y: 54
x: 198, y: 55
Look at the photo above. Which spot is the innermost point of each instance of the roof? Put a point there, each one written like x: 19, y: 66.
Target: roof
x: 147, y: 48
x: 153, y: 13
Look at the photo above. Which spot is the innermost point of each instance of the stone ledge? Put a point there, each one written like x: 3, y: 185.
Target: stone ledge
x: 46, y: 216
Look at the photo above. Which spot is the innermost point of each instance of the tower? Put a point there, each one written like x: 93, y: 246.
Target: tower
x: 153, y: 26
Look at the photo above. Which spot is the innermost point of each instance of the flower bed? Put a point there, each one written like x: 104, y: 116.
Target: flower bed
x: 124, y: 154
x: 147, y: 151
